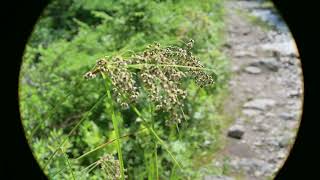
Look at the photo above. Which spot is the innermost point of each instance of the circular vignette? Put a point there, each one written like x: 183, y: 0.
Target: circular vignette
x: 19, y: 162
x: 300, y: 151
x: 295, y: 149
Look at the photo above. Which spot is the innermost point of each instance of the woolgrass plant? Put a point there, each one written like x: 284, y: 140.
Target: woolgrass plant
x: 156, y: 77
x: 155, y: 80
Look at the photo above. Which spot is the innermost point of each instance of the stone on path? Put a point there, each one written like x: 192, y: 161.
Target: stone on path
x: 250, y: 112
x: 293, y: 93
x: 252, y: 70
x: 269, y: 63
x: 244, y: 54
x: 287, y: 48
x: 284, y: 142
x: 286, y: 116
x: 259, y: 104
x: 236, y: 131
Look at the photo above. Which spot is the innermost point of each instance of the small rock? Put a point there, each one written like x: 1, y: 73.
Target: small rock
x: 281, y: 155
x: 250, y: 112
x: 246, y: 33
x: 244, y: 54
x: 284, y: 142
x: 259, y: 104
x: 286, y: 116
x: 218, y: 178
x: 272, y: 143
x: 286, y: 60
x: 272, y: 161
x: 255, y: 128
x: 270, y: 64
x: 257, y: 173
x: 270, y: 114
x: 294, y: 93
x: 257, y: 143
x: 252, y: 70
x: 236, y: 131
x: 227, y: 45
x: 232, y: 83
x: 235, y: 69
x: 263, y: 128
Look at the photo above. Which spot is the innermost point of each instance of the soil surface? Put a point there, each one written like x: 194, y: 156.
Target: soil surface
x: 266, y: 92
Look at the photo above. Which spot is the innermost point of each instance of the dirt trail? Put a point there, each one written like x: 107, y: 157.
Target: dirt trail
x: 266, y: 93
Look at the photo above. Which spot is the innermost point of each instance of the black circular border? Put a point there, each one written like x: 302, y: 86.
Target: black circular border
x: 21, y: 16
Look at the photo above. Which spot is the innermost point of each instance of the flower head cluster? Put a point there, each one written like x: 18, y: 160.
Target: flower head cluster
x: 124, y: 87
x: 110, y: 167
x: 156, y: 71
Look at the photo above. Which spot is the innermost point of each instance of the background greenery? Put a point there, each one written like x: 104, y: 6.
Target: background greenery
x: 68, y: 39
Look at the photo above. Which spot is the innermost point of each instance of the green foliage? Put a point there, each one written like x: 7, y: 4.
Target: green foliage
x: 54, y: 96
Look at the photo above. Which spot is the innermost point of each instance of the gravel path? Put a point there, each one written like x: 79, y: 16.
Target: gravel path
x: 266, y: 93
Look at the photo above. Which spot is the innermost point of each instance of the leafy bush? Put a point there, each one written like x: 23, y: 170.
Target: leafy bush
x: 55, y: 99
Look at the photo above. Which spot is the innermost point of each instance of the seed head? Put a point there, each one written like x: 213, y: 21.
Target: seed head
x: 157, y: 71
x: 110, y: 166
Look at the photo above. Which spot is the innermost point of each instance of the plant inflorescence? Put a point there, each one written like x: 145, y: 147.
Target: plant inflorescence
x: 110, y: 166
x: 158, y: 72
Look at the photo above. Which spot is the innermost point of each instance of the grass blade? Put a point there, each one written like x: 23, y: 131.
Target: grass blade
x: 105, y: 144
x: 156, y: 160
x: 115, y: 122
x: 58, y: 172
x: 88, y: 167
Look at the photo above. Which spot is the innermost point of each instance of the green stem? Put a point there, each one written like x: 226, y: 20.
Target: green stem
x: 85, y: 170
x: 97, y: 164
x: 115, y: 116
x: 61, y: 170
x: 165, y: 146
x: 156, y: 161
x: 149, y: 164
x: 118, y: 143
x: 173, y: 173
x: 157, y: 137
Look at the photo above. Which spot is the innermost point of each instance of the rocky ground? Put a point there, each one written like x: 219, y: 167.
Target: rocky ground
x: 266, y: 92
